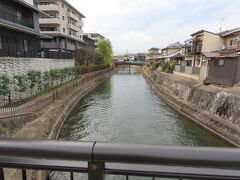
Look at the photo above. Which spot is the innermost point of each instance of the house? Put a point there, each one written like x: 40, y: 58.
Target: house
x: 90, y: 43
x: 172, y: 48
x: 173, y: 52
x: 201, y: 41
x: 95, y: 37
x: 64, y: 26
x: 19, y: 29
x: 154, y: 55
x: 140, y: 57
x: 224, y: 65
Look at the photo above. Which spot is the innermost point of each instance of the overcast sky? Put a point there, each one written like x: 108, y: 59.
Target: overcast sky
x: 137, y: 25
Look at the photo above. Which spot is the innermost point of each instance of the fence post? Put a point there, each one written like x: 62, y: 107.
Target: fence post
x: 56, y: 94
x: 96, y: 170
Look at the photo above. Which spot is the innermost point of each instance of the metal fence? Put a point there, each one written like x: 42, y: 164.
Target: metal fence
x: 99, y: 159
x: 188, y: 69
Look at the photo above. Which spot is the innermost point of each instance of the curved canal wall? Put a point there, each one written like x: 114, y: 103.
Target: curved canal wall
x: 215, y: 109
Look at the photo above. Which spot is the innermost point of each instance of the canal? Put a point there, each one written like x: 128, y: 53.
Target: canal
x: 124, y: 109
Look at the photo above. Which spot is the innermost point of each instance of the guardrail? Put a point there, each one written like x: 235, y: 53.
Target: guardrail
x: 97, y: 159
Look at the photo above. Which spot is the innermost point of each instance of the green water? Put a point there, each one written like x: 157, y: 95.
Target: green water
x: 124, y: 109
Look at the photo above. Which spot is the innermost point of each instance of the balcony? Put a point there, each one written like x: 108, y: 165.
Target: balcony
x: 73, y: 27
x: 73, y: 16
x: 49, y: 7
x: 15, y: 19
x: 71, y: 47
x: 52, y: 45
x: 99, y: 159
x: 238, y: 46
x: 53, y: 20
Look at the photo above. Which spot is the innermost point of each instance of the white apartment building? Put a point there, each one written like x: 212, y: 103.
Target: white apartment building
x: 64, y: 26
x: 95, y: 37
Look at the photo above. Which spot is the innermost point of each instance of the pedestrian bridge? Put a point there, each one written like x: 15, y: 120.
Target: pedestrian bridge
x: 97, y: 159
x: 135, y: 63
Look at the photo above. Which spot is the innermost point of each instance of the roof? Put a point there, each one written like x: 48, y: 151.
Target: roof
x: 202, y: 31
x: 175, y: 54
x: 96, y: 34
x: 229, y: 32
x: 154, y: 49
x: 221, y: 54
x: 21, y: 28
x: 176, y: 45
x: 26, y: 4
x: 77, y: 11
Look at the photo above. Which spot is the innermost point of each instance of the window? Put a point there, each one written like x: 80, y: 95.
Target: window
x: 63, y: 18
x: 62, y: 5
x: 1, y: 44
x: 221, y: 62
x: 25, y: 45
x: 64, y: 30
x: 19, y: 14
x: 232, y: 42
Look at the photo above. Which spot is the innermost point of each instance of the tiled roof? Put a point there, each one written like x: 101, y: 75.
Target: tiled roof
x: 175, y: 45
x: 154, y: 48
x: 228, y: 32
x: 222, y: 54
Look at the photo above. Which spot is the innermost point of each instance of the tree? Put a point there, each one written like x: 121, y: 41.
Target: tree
x: 104, y: 48
x: 34, y: 78
x: 21, y: 85
x: 5, y: 87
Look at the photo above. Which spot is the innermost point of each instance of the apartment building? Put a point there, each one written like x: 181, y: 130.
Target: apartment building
x: 95, y: 37
x: 19, y: 28
x: 202, y: 41
x: 64, y: 26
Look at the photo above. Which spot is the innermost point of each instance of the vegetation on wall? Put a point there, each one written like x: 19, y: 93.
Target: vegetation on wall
x: 168, y: 67
x: 36, y: 81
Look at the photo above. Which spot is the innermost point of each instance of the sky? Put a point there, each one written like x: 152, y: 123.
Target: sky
x: 137, y: 25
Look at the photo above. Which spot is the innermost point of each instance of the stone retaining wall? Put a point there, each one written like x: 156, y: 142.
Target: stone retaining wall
x: 218, y: 112
x: 17, y: 66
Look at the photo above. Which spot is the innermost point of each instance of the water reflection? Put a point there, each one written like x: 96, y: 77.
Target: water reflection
x: 124, y: 109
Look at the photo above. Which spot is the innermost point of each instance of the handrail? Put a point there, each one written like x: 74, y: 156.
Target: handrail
x: 120, y: 153
x: 98, y: 159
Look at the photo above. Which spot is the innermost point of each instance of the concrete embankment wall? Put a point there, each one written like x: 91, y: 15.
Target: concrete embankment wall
x: 218, y: 111
x: 48, y: 114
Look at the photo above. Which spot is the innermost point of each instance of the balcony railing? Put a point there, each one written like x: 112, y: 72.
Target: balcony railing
x: 15, y: 19
x: 238, y: 46
x: 98, y: 159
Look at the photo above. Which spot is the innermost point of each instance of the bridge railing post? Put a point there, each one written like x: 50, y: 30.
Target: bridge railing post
x: 96, y: 171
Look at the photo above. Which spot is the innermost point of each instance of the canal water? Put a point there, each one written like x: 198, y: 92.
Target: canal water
x: 124, y: 109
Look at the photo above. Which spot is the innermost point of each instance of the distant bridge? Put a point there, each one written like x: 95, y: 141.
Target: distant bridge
x: 135, y: 63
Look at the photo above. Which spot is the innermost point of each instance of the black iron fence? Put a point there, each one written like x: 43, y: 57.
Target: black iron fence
x: 99, y: 159
x: 13, y: 18
x: 56, y: 55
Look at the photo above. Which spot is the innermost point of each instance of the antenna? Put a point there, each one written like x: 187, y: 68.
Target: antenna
x: 222, y: 21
